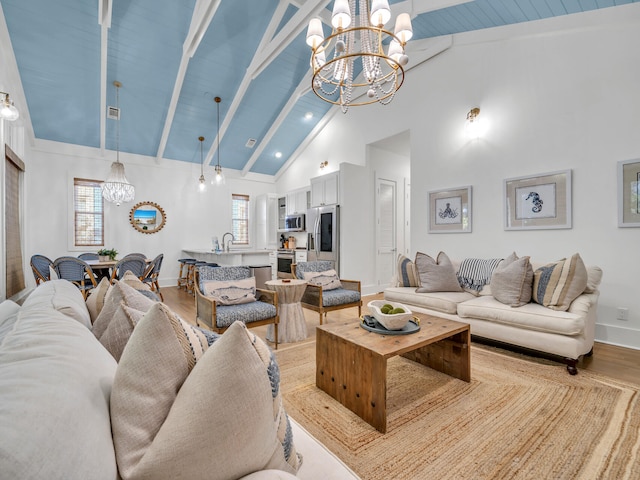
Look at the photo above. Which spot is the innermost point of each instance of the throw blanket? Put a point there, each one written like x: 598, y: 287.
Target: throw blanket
x: 475, y: 273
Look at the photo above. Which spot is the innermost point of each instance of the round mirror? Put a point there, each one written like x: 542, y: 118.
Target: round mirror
x: 147, y: 217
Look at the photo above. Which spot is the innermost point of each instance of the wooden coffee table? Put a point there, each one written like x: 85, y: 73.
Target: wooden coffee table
x: 351, y: 362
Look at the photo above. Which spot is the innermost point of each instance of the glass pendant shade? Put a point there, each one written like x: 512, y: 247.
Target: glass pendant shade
x: 219, y: 177
x: 116, y: 188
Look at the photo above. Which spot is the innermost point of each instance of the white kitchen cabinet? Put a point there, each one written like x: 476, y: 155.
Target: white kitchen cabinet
x: 273, y: 261
x: 301, y: 256
x: 266, y: 221
x: 324, y: 190
x: 297, y: 202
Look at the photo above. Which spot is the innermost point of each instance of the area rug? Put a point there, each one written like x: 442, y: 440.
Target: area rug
x: 519, y: 418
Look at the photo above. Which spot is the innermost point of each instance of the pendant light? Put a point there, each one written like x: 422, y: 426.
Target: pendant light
x: 8, y: 110
x: 116, y: 188
x: 219, y: 178
x: 202, y: 186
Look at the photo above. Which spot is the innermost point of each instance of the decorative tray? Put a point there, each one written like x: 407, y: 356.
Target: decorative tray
x: 369, y: 323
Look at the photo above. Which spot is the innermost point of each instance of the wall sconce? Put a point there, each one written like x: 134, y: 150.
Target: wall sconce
x: 324, y: 164
x: 474, y: 127
x: 8, y: 111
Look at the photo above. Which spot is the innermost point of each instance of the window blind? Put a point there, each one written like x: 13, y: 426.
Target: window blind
x: 88, y: 212
x: 13, y: 241
x: 240, y: 219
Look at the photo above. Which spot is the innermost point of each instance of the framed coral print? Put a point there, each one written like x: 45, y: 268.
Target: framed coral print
x: 538, y: 201
x: 450, y: 210
x: 629, y: 193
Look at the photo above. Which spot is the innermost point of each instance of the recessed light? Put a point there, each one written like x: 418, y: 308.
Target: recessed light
x: 308, y: 115
x: 278, y: 154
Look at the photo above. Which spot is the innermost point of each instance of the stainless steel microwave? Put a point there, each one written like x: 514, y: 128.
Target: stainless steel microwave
x: 294, y: 223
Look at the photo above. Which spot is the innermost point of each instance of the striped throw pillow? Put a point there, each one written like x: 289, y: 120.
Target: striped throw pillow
x: 407, y: 274
x: 558, y: 284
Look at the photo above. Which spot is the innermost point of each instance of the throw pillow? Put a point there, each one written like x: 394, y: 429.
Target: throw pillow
x: 171, y: 406
x: 512, y: 281
x: 134, y: 282
x: 558, y: 284
x: 95, y: 302
x: 407, y: 274
x: 120, y: 328
x: 436, y: 275
x: 231, y: 292
x: 328, y: 279
x: 119, y: 292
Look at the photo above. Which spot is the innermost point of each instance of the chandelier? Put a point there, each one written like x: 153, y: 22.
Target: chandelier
x: 116, y: 188
x: 333, y: 59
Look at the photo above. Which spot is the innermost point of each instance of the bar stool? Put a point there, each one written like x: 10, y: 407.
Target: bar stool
x: 191, y: 275
x: 183, y: 275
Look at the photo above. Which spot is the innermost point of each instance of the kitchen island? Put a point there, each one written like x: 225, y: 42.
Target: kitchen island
x: 232, y: 257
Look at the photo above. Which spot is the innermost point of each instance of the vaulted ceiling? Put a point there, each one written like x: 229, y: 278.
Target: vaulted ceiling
x: 173, y: 57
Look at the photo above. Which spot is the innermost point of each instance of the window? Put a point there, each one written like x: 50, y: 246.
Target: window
x: 14, y: 272
x: 88, y: 225
x: 240, y: 219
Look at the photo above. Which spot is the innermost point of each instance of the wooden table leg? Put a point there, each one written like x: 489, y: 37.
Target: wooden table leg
x: 354, y: 376
x: 451, y: 356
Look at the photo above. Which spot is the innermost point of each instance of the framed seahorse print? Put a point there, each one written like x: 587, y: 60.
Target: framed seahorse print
x: 450, y: 210
x: 540, y: 201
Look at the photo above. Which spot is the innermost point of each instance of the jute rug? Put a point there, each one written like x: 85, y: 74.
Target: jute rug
x: 519, y: 418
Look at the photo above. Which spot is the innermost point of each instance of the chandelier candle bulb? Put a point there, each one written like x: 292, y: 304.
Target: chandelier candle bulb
x: 341, y: 16
x: 380, y: 12
x: 403, y: 30
x: 315, y: 35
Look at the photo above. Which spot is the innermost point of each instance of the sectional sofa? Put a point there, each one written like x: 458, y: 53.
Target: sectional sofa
x: 180, y: 403
x: 555, y: 330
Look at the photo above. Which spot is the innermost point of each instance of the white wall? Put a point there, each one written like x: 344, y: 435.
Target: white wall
x: 192, y: 217
x: 559, y: 94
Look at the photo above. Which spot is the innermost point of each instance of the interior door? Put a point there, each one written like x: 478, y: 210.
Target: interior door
x: 386, y: 246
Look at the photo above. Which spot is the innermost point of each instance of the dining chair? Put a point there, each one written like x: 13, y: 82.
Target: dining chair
x: 89, y: 256
x: 77, y: 272
x: 40, y: 267
x: 152, y: 274
x: 134, y: 263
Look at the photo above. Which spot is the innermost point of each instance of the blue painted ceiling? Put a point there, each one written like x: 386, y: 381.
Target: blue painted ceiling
x: 174, y: 56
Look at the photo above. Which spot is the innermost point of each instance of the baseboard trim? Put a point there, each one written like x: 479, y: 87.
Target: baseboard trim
x: 618, y: 336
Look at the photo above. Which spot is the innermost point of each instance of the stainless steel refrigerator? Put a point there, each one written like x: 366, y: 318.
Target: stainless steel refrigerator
x: 323, y: 227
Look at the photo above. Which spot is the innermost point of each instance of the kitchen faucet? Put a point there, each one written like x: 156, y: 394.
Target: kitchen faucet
x: 226, y: 245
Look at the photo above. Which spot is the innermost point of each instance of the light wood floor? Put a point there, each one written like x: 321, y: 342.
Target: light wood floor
x: 616, y: 362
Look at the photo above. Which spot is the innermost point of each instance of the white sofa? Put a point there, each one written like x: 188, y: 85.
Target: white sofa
x: 568, y: 334
x: 55, y: 386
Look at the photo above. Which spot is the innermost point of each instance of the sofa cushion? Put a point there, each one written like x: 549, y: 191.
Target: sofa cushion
x: 594, y: 277
x: 475, y: 273
x: 557, y: 284
x: 119, y: 292
x: 55, y: 383
x: 530, y: 316
x: 177, y: 414
x: 63, y: 296
x: 512, y: 281
x: 8, y: 316
x: 231, y: 292
x: 407, y: 275
x: 436, y: 275
x: 119, y: 330
x: 95, y: 301
x: 328, y: 279
x: 134, y: 282
x: 445, y: 302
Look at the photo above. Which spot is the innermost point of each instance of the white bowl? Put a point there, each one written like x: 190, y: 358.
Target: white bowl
x: 396, y: 321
